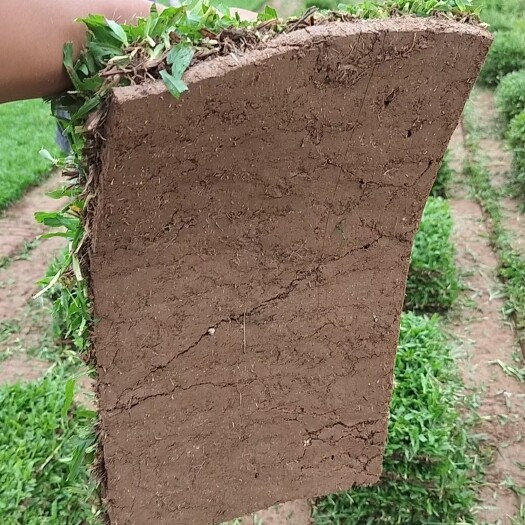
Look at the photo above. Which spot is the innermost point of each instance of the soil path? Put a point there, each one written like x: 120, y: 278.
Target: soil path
x: 490, y: 131
x: 487, y: 338
x: 23, y: 261
x: 17, y: 223
x: 18, y: 368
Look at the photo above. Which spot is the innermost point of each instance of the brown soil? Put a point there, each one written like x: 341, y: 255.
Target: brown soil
x: 486, y: 338
x: 250, y: 252
x: 17, y: 223
x: 18, y: 278
x: 18, y: 227
x: 19, y: 368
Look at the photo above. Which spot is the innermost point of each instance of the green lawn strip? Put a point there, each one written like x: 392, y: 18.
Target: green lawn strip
x: 25, y: 128
x: 444, y: 178
x: 506, y: 18
x: 511, y: 263
x: 433, y: 282
x: 432, y: 466
x: 502, y: 15
x: 510, y: 96
x: 506, y: 55
x: 510, y: 101
x: 39, y: 431
x: 516, y: 140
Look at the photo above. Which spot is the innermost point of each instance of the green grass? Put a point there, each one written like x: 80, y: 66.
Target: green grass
x: 444, y: 178
x: 433, y: 282
x: 502, y: 15
x: 516, y: 141
x: 37, y: 440
x: 71, y: 310
x: 7, y: 329
x: 510, y: 96
x: 431, y: 465
x: 25, y: 128
x: 511, y: 263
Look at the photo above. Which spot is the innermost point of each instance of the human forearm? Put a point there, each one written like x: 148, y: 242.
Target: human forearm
x: 32, y: 37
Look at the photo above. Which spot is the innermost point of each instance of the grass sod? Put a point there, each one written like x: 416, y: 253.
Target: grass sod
x: 169, y: 42
x: 40, y: 429
x: 512, y: 265
x: 25, y: 128
x: 433, y: 282
x: 431, y: 464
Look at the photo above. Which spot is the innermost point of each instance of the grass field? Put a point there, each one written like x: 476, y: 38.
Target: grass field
x: 432, y: 463
x: 433, y: 282
x: 25, y: 128
x: 37, y: 440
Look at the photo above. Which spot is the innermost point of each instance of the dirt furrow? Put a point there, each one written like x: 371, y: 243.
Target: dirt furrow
x: 18, y: 280
x: 17, y: 224
x: 486, y: 339
x: 24, y: 260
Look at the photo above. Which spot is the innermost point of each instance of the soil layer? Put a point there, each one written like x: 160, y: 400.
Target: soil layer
x: 249, y: 257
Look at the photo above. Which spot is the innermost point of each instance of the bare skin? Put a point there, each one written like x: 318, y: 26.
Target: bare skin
x: 32, y: 37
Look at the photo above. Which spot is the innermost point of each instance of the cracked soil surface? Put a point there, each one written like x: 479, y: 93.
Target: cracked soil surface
x: 249, y: 256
